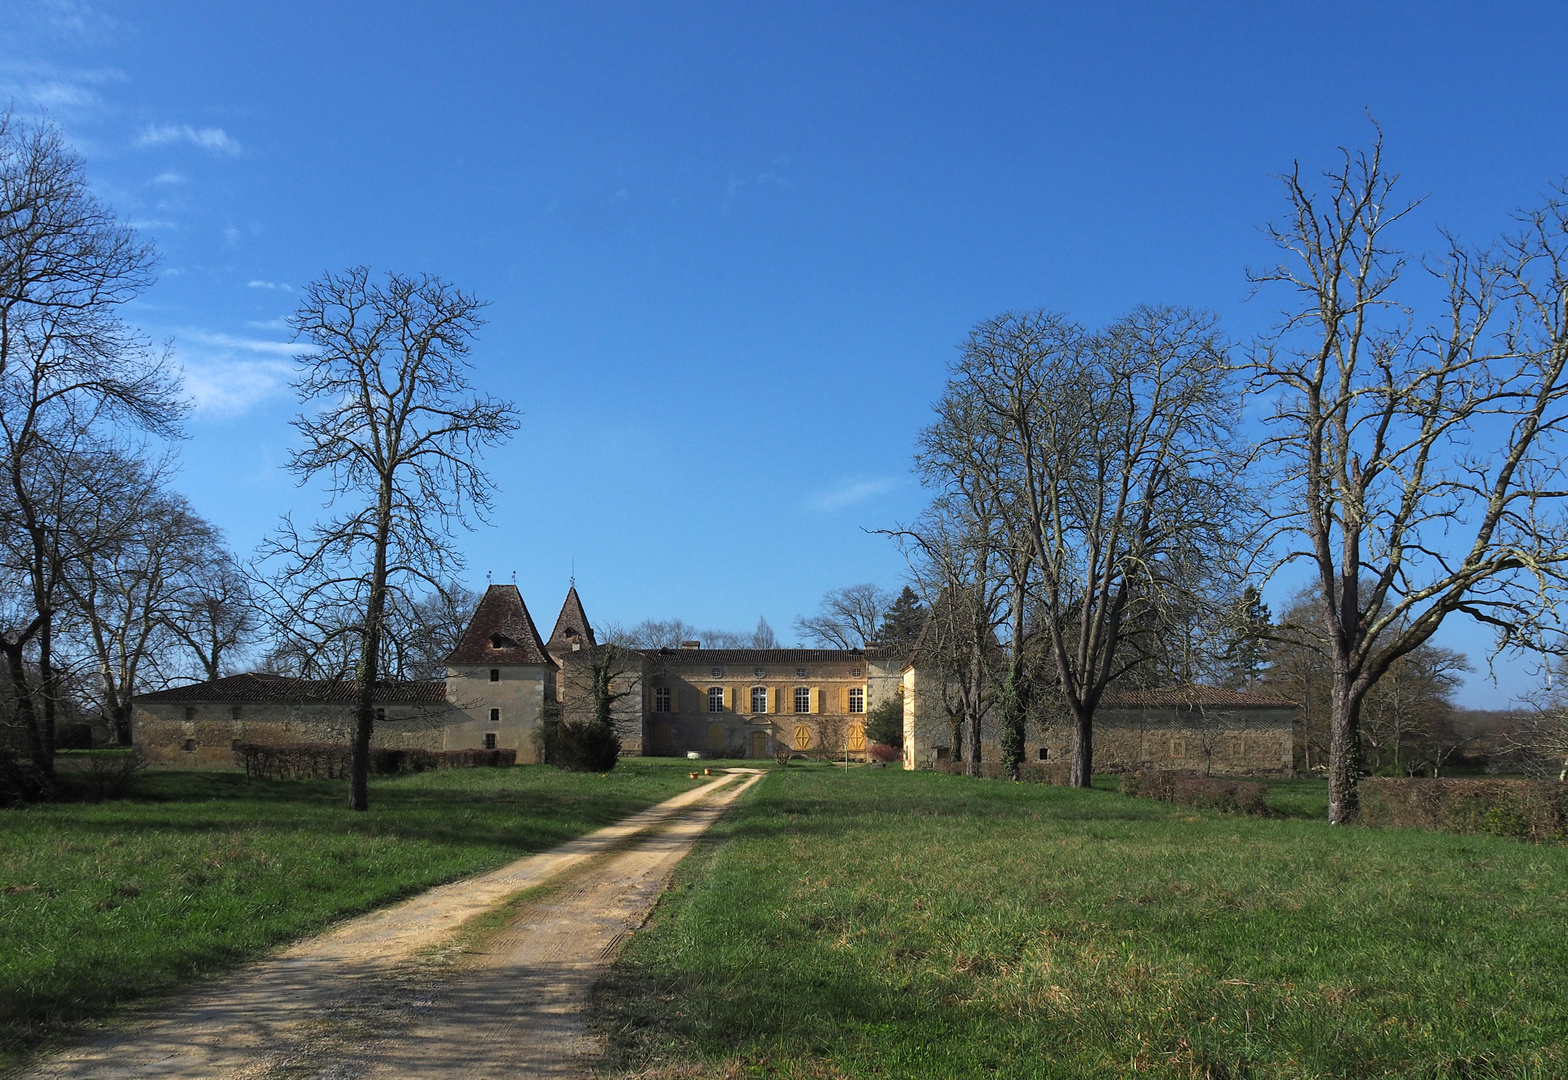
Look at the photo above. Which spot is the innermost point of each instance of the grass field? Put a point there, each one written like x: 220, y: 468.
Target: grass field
x: 103, y: 903
x: 887, y: 924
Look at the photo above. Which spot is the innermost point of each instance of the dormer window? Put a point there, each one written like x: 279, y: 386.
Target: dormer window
x: 499, y: 641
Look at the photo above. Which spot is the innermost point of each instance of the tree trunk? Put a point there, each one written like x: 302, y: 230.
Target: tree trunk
x: 49, y: 683
x: 1344, y: 751
x: 1082, y: 771
x: 17, y: 664
x: 122, y: 724
x: 369, y: 666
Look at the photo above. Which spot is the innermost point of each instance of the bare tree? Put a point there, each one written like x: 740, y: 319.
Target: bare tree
x: 1420, y: 467
x: 68, y: 366
x: 215, y: 612
x: 847, y: 618
x: 1127, y: 477
x: 391, y: 428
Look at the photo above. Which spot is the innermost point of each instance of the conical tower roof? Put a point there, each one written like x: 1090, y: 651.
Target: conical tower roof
x: 501, y: 632
x: 571, y: 627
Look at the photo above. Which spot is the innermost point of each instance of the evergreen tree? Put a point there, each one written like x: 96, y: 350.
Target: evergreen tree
x: 903, y: 621
x: 1247, y: 651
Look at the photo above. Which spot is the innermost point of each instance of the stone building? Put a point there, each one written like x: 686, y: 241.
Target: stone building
x: 719, y: 702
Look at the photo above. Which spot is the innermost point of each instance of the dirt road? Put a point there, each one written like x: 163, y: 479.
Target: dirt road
x: 400, y: 993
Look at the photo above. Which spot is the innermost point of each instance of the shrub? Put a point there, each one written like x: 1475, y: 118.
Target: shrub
x: 1046, y: 772
x: 330, y: 761
x: 1190, y: 789
x: 1533, y: 810
x: 580, y: 746
x: 19, y: 781
x: 885, y: 723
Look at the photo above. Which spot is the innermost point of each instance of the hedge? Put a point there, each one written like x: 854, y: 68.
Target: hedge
x: 1190, y: 789
x: 1533, y: 810
x: 330, y: 761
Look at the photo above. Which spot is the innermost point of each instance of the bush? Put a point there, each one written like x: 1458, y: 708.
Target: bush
x: 19, y: 781
x: 1533, y: 810
x: 330, y: 761
x: 1190, y: 789
x: 580, y: 746
x: 73, y: 737
x: 885, y: 724
x: 1059, y: 773
x: 881, y: 751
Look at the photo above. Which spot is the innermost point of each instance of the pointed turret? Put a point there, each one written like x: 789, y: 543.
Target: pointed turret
x: 501, y: 632
x: 572, y: 631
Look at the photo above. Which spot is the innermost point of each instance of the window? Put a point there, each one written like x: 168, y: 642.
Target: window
x: 495, y: 674
x: 235, y: 712
x: 495, y: 716
x: 190, y: 713
x: 190, y: 746
x: 800, y: 673
x: 759, y: 699
x: 381, y: 714
x: 234, y: 744
x: 1043, y: 753
x: 854, y: 673
x: 715, y: 699
x: 718, y: 673
x: 661, y: 699
x: 802, y: 699
x: 758, y: 673
x: 489, y: 740
x: 857, y: 699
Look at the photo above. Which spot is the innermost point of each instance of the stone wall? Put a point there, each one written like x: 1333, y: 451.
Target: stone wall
x: 507, y: 707
x: 202, y: 735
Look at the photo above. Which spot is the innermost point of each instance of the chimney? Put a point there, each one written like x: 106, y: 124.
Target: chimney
x: 691, y: 644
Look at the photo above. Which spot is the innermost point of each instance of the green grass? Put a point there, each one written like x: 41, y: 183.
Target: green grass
x: 889, y: 924
x: 104, y: 903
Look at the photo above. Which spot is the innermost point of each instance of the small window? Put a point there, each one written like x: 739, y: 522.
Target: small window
x: 854, y: 673
x: 715, y: 699
x: 1044, y: 753
x: 495, y: 716
x: 190, y: 746
x: 718, y: 673
x: 857, y: 699
x: 800, y: 673
x: 234, y: 744
x: 758, y: 673
x: 190, y: 713
x: 759, y: 699
x: 381, y: 714
x: 495, y: 674
x: 661, y: 699
x: 235, y: 712
x: 489, y: 740
x: 802, y: 699
x: 942, y: 753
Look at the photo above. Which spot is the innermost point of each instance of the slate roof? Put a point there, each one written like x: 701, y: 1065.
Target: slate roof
x: 501, y: 632
x: 572, y: 622
x: 263, y: 687
x: 1207, y: 697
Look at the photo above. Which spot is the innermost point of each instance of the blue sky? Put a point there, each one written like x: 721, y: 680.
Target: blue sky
x: 730, y: 248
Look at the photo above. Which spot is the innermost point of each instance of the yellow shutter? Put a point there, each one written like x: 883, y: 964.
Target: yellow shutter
x: 778, y: 699
x: 814, y: 700
x: 843, y: 700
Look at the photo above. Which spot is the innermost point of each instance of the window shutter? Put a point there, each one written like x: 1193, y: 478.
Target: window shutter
x: 778, y: 700
x: 734, y: 699
x: 844, y: 701
x: 814, y: 700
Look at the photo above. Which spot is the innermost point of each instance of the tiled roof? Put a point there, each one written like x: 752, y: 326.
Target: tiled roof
x: 571, y: 623
x: 501, y: 632
x: 262, y: 687
x: 1194, y: 697
x: 787, y: 657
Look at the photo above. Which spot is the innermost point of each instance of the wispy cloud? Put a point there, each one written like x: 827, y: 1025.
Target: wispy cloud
x: 851, y: 491
x: 275, y: 286
x: 168, y: 176
x: 212, y: 139
x: 151, y: 223
x: 227, y: 375
x: 65, y: 92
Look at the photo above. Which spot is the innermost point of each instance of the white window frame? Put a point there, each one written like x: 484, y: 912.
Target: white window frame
x: 661, y: 699
x: 802, y: 695
x: 759, y: 693
x: 715, y: 698
x: 857, y: 699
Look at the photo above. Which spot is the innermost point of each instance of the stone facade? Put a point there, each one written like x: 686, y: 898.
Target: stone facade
x: 744, y: 703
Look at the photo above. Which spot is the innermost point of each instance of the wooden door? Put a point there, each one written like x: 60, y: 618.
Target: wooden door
x: 759, y: 744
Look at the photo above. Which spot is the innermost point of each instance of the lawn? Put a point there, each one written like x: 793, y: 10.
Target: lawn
x: 889, y: 924
x: 196, y: 871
